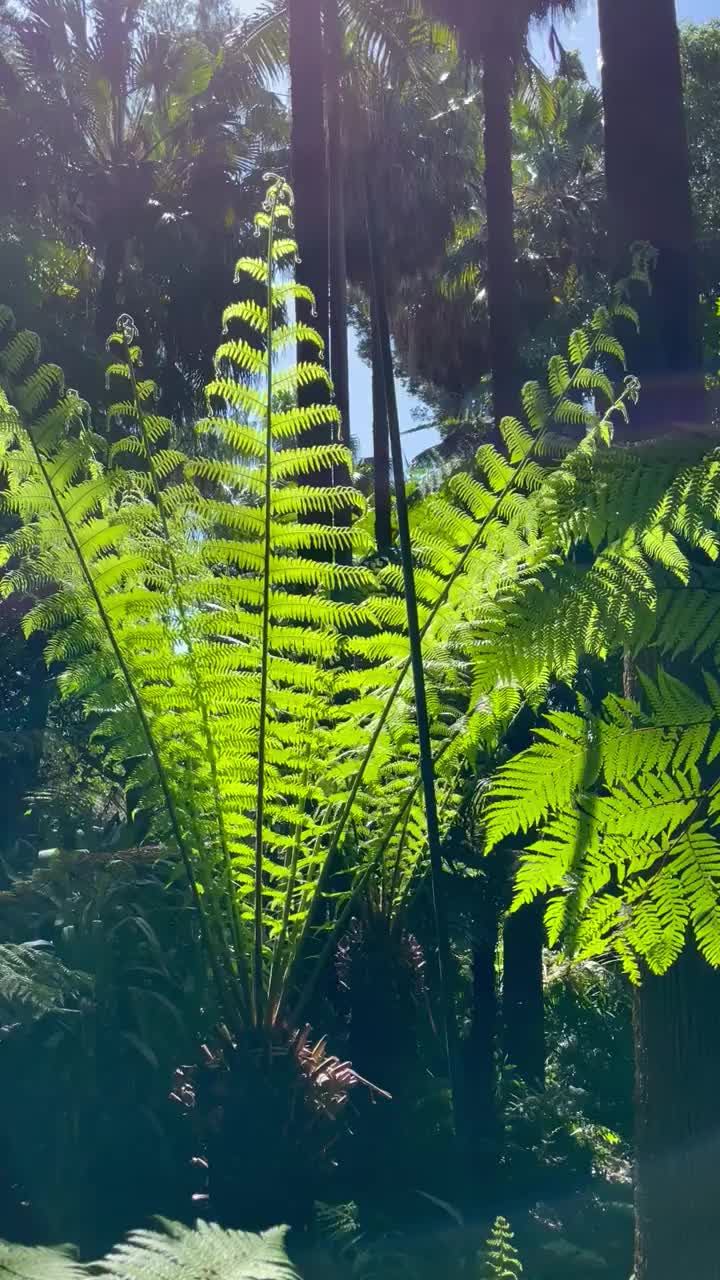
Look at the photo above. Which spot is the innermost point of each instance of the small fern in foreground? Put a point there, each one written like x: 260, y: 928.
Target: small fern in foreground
x: 501, y: 1260
x: 203, y: 1252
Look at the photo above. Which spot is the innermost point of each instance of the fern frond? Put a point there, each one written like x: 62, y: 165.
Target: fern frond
x: 203, y: 1251
x: 19, y: 1262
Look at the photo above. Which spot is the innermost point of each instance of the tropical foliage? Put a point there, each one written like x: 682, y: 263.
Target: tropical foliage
x: 338, y: 809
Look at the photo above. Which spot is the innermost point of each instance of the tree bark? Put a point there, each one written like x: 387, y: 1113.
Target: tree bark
x: 647, y: 173
x: 676, y: 1022
x: 336, y: 192
x: 501, y: 273
x: 381, y: 443
x: 308, y: 157
x: 523, y: 1003
x: 480, y: 1088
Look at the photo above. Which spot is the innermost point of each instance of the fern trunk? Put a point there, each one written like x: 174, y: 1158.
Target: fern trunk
x: 497, y: 94
x: 676, y: 1021
x: 647, y: 173
x: 523, y: 1005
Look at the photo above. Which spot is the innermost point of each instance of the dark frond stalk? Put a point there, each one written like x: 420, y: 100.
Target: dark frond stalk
x: 400, y: 818
x: 442, y: 599
x: 338, y: 324
x: 338, y: 258
x: 194, y: 674
x: 427, y: 768
x: 163, y: 779
x: 347, y: 808
x: 381, y: 445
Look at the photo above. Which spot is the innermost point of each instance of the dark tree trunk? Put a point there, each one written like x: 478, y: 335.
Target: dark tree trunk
x: 501, y: 274
x: 677, y: 1105
x: 522, y: 993
x: 480, y: 1087
x: 308, y: 157
x: 646, y: 162
x: 107, y: 301
x: 379, y: 292
x: 381, y: 443
x: 338, y: 258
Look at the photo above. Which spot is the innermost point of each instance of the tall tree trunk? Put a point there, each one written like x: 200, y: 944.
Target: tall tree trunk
x: 338, y: 258
x: 501, y: 277
x: 480, y: 1083
x: 677, y: 1101
x: 308, y: 156
x: 107, y: 301
x: 381, y: 443
x: 646, y: 162
x: 523, y: 1003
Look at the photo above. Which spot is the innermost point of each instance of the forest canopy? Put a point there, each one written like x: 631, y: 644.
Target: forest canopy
x: 359, y: 802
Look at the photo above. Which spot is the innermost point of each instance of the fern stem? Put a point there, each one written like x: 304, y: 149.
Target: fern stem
x: 401, y: 814
x: 142, y: 716
x: 437, y: 605
x: 258, y: 991
x: 273, y: 1005
x: 194, y: 676
x: 427, y: 769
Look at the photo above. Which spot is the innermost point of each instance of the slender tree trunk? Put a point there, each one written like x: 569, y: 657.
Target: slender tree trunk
x: 646, y: 163
x: 497, y: 93
x: 427, y: 773
x: 381, y: 443
x: 480, y: 1086
x: 107, y: 301
x: 523, y: 994
x: 677, y: 1101
x: 338, y: 259
x: 308, y: 156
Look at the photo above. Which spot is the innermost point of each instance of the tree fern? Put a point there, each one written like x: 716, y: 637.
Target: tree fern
x: 195, y: 610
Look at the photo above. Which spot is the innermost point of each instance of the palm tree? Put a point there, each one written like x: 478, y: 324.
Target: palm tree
x: 493, y: 34
x: 646, y: 158
x: 132, y: 115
